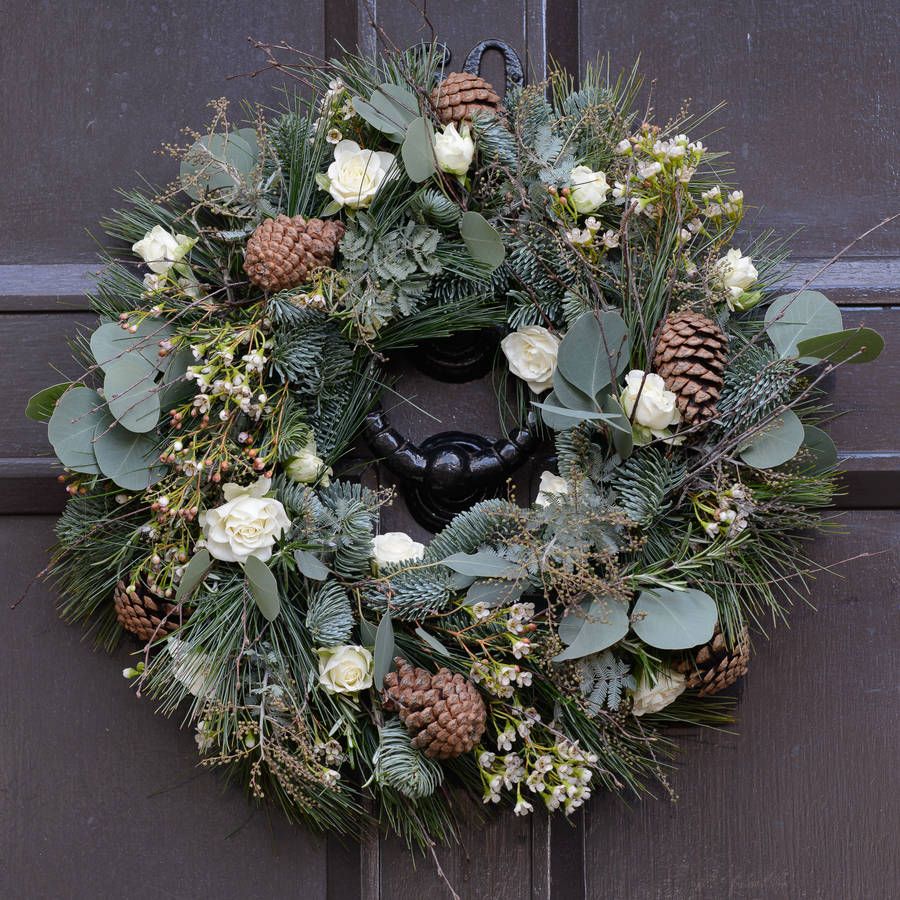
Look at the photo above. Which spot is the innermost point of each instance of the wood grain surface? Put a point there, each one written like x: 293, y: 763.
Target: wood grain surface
x: 101, y: 798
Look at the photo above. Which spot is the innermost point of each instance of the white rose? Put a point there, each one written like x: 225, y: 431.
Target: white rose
x: 589, y: 188
x: 345, y: 670
x: 453, y: 150
x: 550, y: 486
x: 161, y: 250
x: 307, y: 467
x: 656, y: 407
x: 356, y: 174
x: 734, y: 273
x: 248, y: 524
x: 396, y: 546
x: 531, y: 353
x: 652, y: 698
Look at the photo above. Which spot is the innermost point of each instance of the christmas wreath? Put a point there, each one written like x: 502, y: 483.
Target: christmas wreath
x: 528, y: 654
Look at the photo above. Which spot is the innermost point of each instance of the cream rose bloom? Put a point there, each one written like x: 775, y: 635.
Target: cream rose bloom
x: 307, y: 466
x: 345, y: 670
x: 247, y: 524
x: 656, y: 407
x: 454, y: 150
x: 396, y: 546
x: 531, y: 353
x: 550, y: 486
x: 735, y: 273
x: 651, y: 698
x: 356, y: 174
x: 161, y: 250
x: 589, y: 188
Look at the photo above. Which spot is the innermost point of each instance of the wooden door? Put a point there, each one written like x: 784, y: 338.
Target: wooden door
x: 101, y: 798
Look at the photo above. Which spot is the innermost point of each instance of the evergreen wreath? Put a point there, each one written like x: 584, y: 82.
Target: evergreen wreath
x: 527, y: 655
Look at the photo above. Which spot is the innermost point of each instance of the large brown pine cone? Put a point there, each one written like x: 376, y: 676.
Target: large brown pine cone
x: 282, y: 252
x: 444, y: 713
x: 144, y: 613
x: 460, y: 94
x: 715, y: 666
x: 690, y: 356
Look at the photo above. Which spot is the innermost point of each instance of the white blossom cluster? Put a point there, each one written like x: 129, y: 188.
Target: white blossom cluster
x: 500, y: 679
x: 590, y: 236
x: 559, y: 773
x: 335, y: 105
x: 732, y: 510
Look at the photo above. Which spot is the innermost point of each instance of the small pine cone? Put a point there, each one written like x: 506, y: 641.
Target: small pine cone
x: 460, y: 95
x: 690, y: 356
x: 144, y: 613
x: 715, y: 667
x: 444, y: 713
x: 282, y: 252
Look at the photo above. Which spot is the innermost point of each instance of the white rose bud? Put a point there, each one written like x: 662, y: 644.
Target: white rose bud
x: 161, y: 250
x: 734, y: 273
x: 396, y: 546
x: 345, y: 670
x: 550, y: 486
x: 454, y: 150
x: 247, y: 524
x: 531, y: 352
x: 651, y: 698
x: 307, y: 467
x: 589, y: 189
x: 356, y: 174
x: 656, y: 407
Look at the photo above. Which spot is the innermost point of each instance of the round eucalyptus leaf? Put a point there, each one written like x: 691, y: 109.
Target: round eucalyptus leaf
x: 41, y: 405
x: 595, y: 350
x: 263, y: 588
x: 77, y: 415
x: 213, y: 162
x: 776, y: 445
x: 111, y: 343
x: 792, y: 318
x: 598, y: 624
x: 822, y: 448
x: 130, y: 460
x: 620, y: 426
x: 856, y: 345
x: 674, y: 620
x: 417, y: 150
x: 481, y: 239
x: 132, y: 394
x: 570, y: 396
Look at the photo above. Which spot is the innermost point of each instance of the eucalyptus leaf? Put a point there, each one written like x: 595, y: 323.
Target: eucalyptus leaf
x: 570, y: 396
x: 174, y: 387
x: 821, y: 446
x: 130, y: 460
x: 263, y: 587
x: 215, y: 162
x: 494, y: 593
x: 559, y: 418
x: 432, y: 641
x: 194, y: 572
x: 41, y: 405
x: 110, y: 343
x: 620, y: 427
x: 367, y: 632
x: 595, y: 350
x: 857, y: 345
x: 132, y: 394
x: 396, y: 100
x: 598, y: 624
x: 778, y: 443
x: 384, y: 649
x: 482, y: 240
x: 379, y: 121
x: 310, y: 565
x: 792, y: 318
x: 71, y: 428
x: 674, y: 620
x: 459, y: 582
x: 483, y: 564
x: 418, y: 150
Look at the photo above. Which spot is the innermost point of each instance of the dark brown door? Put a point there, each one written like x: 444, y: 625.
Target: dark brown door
x: 100, y: 798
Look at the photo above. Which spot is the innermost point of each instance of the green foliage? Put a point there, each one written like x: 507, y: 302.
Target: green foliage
x: 644, y: 483
x: 604, y: 679
x: 329, y: 615
x: 302, y: 151
x: 436, y: 208
x: 400, y: 766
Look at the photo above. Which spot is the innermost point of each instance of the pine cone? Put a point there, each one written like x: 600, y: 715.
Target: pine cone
x: 142, y: 611
x: 715, y: 667
x: 444, y: 713
x: 690, y: 356
x: 460, y: 94
x: 282, y: 252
